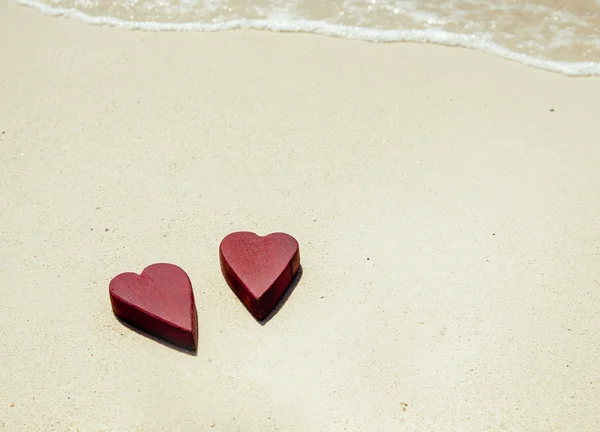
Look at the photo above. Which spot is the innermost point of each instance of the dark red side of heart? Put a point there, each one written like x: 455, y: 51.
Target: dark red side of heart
x: 160, y: 302
x: 259, y: 269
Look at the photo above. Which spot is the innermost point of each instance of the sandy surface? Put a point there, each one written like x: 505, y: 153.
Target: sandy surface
x: 445, y: 201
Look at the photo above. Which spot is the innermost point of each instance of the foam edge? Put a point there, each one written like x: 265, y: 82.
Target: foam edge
x: 439, y: 37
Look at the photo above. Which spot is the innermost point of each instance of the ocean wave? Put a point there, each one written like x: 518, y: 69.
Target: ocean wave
x: 275, y: 22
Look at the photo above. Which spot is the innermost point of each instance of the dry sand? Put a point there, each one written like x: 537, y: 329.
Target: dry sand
x: 446, y: 203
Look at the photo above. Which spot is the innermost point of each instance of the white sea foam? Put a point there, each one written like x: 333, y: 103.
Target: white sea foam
x: 564, y: 34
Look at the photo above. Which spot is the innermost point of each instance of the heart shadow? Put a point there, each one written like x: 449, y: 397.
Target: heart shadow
x: 157, y: 339
x: 284, y: 298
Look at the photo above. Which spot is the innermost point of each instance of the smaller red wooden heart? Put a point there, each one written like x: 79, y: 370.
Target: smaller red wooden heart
x: 160, y: 302
x: 259, y: 269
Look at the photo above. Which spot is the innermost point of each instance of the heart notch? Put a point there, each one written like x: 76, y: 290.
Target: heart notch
x: 258, y: 269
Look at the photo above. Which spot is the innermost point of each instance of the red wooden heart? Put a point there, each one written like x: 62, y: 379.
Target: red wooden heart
x: 160, y: 301
x: 259, y: 269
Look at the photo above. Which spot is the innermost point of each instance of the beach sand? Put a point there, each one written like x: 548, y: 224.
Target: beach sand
x: 445, y: 202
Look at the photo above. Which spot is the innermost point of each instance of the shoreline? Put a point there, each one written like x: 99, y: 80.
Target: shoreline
x: 438, y: 37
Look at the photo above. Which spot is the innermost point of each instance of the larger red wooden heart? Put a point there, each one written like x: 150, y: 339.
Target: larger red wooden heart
x: 259, y: 269
x: 160, y: 301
